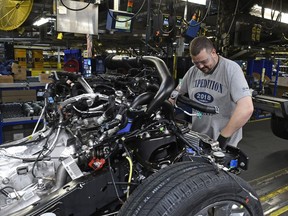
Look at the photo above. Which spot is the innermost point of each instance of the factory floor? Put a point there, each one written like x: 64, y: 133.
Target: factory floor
x: 268, y: 166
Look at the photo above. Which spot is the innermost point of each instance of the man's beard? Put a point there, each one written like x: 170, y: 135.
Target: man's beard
x: 213, y: 69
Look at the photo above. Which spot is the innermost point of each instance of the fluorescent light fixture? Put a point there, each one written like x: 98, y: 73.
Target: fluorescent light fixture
x: 256, y: 11
x: 201, y: 2
x: 43, y: 20
x: 110, y: 51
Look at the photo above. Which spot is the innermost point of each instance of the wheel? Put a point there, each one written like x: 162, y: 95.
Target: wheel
x: 279, y: 126
x: 192, y: 188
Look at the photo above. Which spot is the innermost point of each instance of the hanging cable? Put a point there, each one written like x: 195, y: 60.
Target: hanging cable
x: 76, y: 9
x: 234, y: 15
x: 278, y: 18
x: 205, y: 16
x: 113, y: 181
x: 272, y: 11
x: 246, y: 3
x: 233, y: 19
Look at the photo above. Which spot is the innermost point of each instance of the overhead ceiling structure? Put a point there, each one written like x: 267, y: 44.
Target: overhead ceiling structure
x: 229, y: 22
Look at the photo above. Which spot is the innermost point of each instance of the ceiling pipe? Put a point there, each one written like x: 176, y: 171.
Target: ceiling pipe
x: 32, y: 47
x: 18, y: 39
x: 185, y: 10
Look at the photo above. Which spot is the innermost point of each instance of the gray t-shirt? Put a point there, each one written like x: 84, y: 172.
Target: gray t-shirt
x: 223, y: 88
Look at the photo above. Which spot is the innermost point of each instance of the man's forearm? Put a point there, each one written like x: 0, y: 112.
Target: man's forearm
x: 242, y: 113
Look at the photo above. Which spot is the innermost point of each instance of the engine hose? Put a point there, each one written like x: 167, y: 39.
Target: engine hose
x: 111, y: 106
x: 122, y: 110
x: 152, y: 87
x: 112, y: 124
x: 167, y: 81
x: 88, y: 112
x: 130, y: 174
x: 168, y: 110
x: 52, y: 146
x: 87, y: 96
x: 142, y: 99
x: 198, y: 106
x: 99, y: 108
x: 118, y: 119
x: 38, y: 122
x: 56, y: 75
x: 85, y: 85
x: 146, y: 85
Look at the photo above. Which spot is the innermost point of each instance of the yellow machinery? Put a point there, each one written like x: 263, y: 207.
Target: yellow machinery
x: 14, y: 13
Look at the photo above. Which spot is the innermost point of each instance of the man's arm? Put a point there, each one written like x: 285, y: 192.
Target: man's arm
x: 242, y: 113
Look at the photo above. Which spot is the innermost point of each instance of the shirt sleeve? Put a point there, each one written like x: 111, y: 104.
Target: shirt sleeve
x: 238, y: 84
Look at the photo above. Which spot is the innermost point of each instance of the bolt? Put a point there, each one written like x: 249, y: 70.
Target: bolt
x: 242, y: 164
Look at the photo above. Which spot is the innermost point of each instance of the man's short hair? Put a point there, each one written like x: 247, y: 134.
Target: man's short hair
x: 200, y: 43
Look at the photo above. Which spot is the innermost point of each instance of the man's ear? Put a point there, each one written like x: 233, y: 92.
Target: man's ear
x: 213, y: 51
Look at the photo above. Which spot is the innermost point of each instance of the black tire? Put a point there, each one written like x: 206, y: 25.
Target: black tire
x: 187, y: 188
x: 279, y: 126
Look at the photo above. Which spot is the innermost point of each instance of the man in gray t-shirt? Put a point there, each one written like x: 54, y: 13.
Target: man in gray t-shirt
x: 217, y: 81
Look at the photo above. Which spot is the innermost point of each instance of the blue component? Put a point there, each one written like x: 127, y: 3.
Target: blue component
x: 190, y: 151
x: 126, y: 129
x: 193, y: 29
x: 233, y: 163
x: 50, y: 100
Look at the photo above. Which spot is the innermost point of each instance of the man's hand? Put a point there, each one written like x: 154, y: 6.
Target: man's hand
x: 222, y: 141
x: 173, y: 97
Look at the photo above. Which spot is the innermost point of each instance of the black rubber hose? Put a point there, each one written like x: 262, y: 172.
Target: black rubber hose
x: 197, y: 106
x: 167, y: 81
x: 142, y: 99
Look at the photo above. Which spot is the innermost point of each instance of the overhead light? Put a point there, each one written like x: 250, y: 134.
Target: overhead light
x: 43, y: 20
x: 201, y: 2
x: 111, y: 51
x: 257, y: 11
